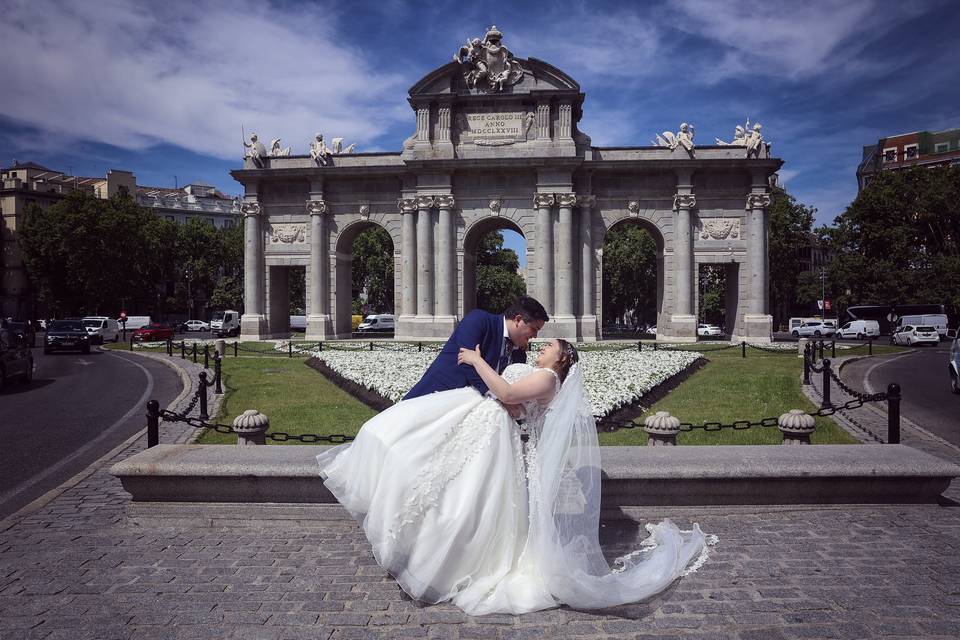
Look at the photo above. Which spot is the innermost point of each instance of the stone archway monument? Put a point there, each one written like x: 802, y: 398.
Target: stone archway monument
x: 497, y: 136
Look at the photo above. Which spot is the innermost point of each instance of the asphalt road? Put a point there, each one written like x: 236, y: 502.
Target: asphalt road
x: 78, y: 407
x: 924, y: 383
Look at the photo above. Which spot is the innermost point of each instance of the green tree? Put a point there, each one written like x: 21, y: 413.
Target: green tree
x: 713, y: 283
x: 199, y: 257
x: 899, y: 241
x: 790, y: 230
x: 228, y: 291
x: 629, y: 274
x: 498, y: 279
x: 85, y: 255
x: 372, y: 269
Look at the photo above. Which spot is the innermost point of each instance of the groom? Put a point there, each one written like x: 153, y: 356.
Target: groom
x: 502, y: 339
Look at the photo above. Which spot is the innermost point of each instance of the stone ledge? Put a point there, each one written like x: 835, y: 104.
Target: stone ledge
x: 632, y: 476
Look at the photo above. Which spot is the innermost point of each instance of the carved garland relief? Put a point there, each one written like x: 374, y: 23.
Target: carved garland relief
x: 719, y: 228
x: 285, y: 233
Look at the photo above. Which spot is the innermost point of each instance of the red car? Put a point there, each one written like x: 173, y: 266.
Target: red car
x: 153, y: 333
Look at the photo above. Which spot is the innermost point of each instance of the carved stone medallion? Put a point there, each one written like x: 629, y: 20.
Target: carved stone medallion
x: 634, y: 208
x: 684, y: 201
x: 758, y: 201
x: 444, y: 202
x: 719, y: 228
x: 566, y: 199
x: 495, y: 205
x: 250, y: 208
x: 286, y: 233
x: 316, y: 207
x: 407, y: 205
x: 543, y: 200
x: 488, y: 64
x: 365, y: 211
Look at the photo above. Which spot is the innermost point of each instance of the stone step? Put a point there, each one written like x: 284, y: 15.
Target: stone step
x: 632, y: 476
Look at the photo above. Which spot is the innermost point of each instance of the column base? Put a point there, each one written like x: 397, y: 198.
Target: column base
x: 421, y: 327
x: 253, y: 326
x: 560, y: 327
x: 757, y: 329
x: 444, y: 325
x: 319, y: 327
x: 682, y: 328
x: 588, y: 329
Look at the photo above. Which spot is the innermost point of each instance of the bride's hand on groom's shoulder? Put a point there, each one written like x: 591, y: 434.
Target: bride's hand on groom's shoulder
x: 469, y: 356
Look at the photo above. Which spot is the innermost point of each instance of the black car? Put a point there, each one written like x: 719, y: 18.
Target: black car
x: 66, y: 334
x: 16, y: 361
x: 25, y: 331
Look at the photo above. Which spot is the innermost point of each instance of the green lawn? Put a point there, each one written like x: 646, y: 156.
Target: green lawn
x: 298, y: 399
x: 295, y: 397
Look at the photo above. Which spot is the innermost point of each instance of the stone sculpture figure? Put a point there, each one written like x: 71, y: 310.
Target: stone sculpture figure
x: 276, y: 151
x: 257, y: 152
x: 754, y: 142
x: 683, y: 138
x: 488, y: 63
x: 319, y: 151
x: 739, y: 138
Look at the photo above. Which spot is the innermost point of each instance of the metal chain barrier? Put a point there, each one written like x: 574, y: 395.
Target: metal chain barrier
x: 277, y: 436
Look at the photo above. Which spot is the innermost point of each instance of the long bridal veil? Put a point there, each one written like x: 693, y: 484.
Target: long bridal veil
x: 564, y: 484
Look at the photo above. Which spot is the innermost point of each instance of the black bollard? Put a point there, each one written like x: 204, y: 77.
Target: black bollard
x: 153, y: 423
x: 639, y: 346
x: 131, y: 343
x: 893, y: 413
x: 290, y: 349
x: 654, y: 345
x: 826, y: 385
x: 206, y: 356
x: 870, y: 347
x: 806, y: 363
x: 194, y: 353
x: 235, y: 344
x: 169, y: 346
x: 203, y: 395
x: 319, y: 346
x: 218, y: 373
x: 419, y: 347
x: 743, y: 349
x: 183, y: 350
x: 371, y: 345
x: 833, y: 349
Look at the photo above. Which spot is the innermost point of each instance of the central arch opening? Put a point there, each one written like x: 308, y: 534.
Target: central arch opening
x: 495, y: 265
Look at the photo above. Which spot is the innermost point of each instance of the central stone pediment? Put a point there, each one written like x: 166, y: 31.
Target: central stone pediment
x: 538, y: 77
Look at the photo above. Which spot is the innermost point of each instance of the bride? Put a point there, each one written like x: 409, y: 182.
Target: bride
x: 459, y: 508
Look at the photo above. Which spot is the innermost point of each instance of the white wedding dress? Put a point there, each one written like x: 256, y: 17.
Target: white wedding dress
x: 457, y: 508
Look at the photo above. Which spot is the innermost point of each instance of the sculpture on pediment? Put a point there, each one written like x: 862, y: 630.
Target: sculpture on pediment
x: 488, y: 63
x: 338, y: 147
x: 682, y: 138
x: 276, y: 151
x: 257, y: 152
x: 319, y: 150
x: 754, y: 142
x: 739, y: 138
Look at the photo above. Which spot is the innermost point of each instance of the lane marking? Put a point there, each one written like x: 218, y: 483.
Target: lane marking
x: 138, y: 406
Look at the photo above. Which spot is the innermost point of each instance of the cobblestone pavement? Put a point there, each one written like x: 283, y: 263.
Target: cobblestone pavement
x: 80, y: 567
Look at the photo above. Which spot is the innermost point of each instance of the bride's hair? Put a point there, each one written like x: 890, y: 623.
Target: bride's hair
x: 568, y: 357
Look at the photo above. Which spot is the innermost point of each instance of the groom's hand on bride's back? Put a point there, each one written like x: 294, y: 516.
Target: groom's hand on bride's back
x: 469, y: 356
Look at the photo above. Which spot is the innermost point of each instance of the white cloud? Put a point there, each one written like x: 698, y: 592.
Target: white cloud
x: 135, y: 74
x: 796, y: 39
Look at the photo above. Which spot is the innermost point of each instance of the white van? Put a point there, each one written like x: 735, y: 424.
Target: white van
x: 101, y: 329
x: 225, y: 323
x: 936, y: 320
x: 860, y: 329
x: 377, y: 322
x: 135, y: 322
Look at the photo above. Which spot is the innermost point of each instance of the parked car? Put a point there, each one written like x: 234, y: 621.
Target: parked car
x: 816, y: 328
x: 652, y: 330
x: 153, y: 333
x: 195, y: 325
x: 16, y: 360
x: 25, y: 330
x: 710, y: 330
x: 910, y: 335
x: 66, y: 335
x: 101, y: 329
x: 860, y: 329
x: 377, y: 322
x: 954, y: 362
x: 225, y: 323
x: 298, y: 323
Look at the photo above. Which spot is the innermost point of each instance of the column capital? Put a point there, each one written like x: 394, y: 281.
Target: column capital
x: 445, y: 201
x: 543, y: 200
x: 424, y: 202
x: 566, y: 199
x: 316, y: 207
x: 586, y: 201
x: 684, y: 201
x: 250, y: 209
x: 407, y: 205
x: 758, y: 201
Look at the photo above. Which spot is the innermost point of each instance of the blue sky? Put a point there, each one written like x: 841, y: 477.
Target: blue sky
x: 163, y: 89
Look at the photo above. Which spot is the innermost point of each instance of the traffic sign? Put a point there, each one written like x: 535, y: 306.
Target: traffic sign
x: 892, y: 317
x: 123, y: 315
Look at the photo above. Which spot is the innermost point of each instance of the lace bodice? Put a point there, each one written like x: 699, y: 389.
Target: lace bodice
x: 533, y: 410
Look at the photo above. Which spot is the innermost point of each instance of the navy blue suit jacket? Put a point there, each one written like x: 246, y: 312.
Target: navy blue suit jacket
x: 477, y: 328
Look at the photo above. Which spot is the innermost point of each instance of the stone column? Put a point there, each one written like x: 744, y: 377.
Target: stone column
x: 425, y: 256
x: 588, y: 322
x: 683, y: 322
x: 544, y: 229
x: 252, y: 321
x: 408, y: 259
x: 757, y: 323
x: 446, y: 265
x: 563, y: 305
x: 319, y: 326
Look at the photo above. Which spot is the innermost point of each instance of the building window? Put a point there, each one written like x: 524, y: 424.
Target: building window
x: 941, y: 147
x: 889, y: 155
x: 910, y: 152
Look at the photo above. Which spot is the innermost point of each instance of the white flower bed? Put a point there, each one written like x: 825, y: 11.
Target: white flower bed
x: 613, y: 378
